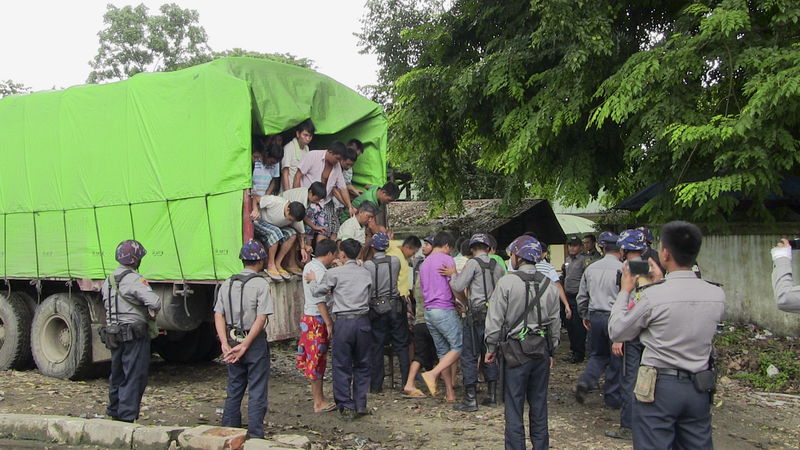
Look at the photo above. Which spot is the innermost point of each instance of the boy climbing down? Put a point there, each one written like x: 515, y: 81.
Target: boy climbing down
x: 280, y: 223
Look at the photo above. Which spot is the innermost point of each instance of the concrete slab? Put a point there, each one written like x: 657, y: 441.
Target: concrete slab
x: 292, y: 440
x: 25, y: 426
x: 207, y: 437
x: 264, y: 444
x: 155, y: 438
x: 66, y: 430
x: 109, y: 433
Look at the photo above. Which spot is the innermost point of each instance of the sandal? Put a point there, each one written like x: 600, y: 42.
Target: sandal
x: 275, y: 275
x: 416, y: 393
x: 432, y: 388
x: 328, y: 408
x: 294, y: 270
x: 286, y: 275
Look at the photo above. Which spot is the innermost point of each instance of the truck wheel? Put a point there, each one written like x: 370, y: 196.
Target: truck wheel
x: 61, y: 337
x: 15, y: 333
x: 208, y: 345
x: 177, y: 346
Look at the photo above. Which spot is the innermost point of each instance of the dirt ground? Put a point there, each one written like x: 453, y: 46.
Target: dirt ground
x: 193, y: 394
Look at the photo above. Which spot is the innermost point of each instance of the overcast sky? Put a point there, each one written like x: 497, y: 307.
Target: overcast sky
x: 46, y: 43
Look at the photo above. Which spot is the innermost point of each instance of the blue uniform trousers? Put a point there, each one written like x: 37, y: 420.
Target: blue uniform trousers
x: 472, y: 351
x: 601, y: 359
x: 130, y: 367
x: 352, y: 349
x: 574, y: 326
x: 251, y: 372
x: 392, y: 328
x: 527, y: 382
x: 679, y: 418
x: 631, y: 358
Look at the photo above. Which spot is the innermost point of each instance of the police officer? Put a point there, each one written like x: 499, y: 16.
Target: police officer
x: 632, y: 244
x: 129, y: 303
x: 392, y: 325
x: 676, y: 319
x: 787, y: 295
x: 240, y: 316
x: 505, y: 321
x: 597, y: 293
x: 649, y: 252
x: 572, y: 271
x: 479, y: 275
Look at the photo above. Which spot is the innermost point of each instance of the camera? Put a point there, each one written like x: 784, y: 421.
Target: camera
x: 794, y: 243
x: 639, y: 267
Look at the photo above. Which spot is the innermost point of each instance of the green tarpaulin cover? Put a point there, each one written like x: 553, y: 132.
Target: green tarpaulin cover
x: 162, y: 158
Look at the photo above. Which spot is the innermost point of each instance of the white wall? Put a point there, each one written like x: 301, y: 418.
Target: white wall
x: 742, y: 263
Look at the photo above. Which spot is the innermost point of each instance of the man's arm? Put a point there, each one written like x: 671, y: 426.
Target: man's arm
x: 787, y: 295
x: 297, y: 177
x: 495, y: 318
x: 322, y: 307
x: 323, y: 286
x: 237, y: 352
x: 583, y: 298
x: 554, y: 320
x: 219, y: 324
x: 273, y: 186
x: 285, y: 181
x: 562, y: 294
x: 144, y: 293
x: 626, y: 324
x: 459, y: 282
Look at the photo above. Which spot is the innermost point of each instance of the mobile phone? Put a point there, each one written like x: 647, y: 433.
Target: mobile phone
x: 794, y: 243
x: 639, y: 267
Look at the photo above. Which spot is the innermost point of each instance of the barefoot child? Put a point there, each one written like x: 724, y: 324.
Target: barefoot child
x: 316, y: 327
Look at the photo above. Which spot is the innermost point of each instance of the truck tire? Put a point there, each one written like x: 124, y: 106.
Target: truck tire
x: 177, y: 346
x: 15, y: 333
x: 208, y: 348
x: 61, y: 337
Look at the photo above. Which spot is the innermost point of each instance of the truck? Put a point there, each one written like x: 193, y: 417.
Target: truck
x: 163, y: 158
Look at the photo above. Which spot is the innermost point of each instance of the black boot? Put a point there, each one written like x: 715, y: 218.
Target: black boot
x: 470, y: 402
x: 491, y: 394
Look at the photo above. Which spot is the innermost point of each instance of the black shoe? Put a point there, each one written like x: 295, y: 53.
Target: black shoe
x: 470, y: 402
x: 375, y: 390
x: 581, y: 391
x: 364, y: 411
x: 491, y: 395
x: 573, y: 358
x: 620, y: 433
x: 347, y: 414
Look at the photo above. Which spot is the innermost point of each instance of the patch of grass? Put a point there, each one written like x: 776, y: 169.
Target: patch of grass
x: 786, y: 363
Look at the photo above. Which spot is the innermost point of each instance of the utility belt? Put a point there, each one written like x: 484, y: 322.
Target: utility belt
x: 350, y: 315
x: 116, y: 334
x: 476, y: 316
x: 235, y: 335
x: 385, y: 303
x: 704, y: 381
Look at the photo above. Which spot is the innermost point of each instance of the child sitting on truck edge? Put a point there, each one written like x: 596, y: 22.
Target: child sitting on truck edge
x: 241, y: 312
x: 316, y: 327
x: 350, y: 286
x: 310, y: 197
x: 277, y: 216
x: 266, y: 171
x: 294, y: 151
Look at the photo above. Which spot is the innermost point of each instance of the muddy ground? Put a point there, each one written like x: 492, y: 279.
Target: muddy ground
x: 193, y: 394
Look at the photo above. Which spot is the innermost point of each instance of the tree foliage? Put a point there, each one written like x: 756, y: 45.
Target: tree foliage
x: 9, y: 87
x: 134, y: 41
x: 286, y: 58
x: 564, y: 97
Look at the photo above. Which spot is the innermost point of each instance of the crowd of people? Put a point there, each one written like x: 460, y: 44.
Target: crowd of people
x: 647, y: 335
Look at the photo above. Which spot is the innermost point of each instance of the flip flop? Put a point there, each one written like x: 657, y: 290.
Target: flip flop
x: 328, y: 408
x: 416, y: 393
x: 275, y: 275
x: 286, y: 275
x: 295, y: 271
x: 431, y: 386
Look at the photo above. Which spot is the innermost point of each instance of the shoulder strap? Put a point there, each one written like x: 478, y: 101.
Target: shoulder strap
x: 115, y: 280
x: 539, y: 287
x: 383, y: 260
x: 487, y: 266
x: 243, y: 279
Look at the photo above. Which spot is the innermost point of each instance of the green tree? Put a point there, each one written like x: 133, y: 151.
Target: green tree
x: 286, y: 58
x: 564, y: 97
x: 9, y: 87
x: 134, y: 41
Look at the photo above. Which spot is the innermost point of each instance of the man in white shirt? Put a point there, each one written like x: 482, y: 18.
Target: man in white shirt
x: 294, y: 151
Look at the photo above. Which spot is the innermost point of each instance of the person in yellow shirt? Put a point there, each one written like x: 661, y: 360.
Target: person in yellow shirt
x: 403, y: 251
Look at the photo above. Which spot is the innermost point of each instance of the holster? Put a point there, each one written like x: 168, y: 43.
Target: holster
x: 235, y: 335
x: 705, y: 381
